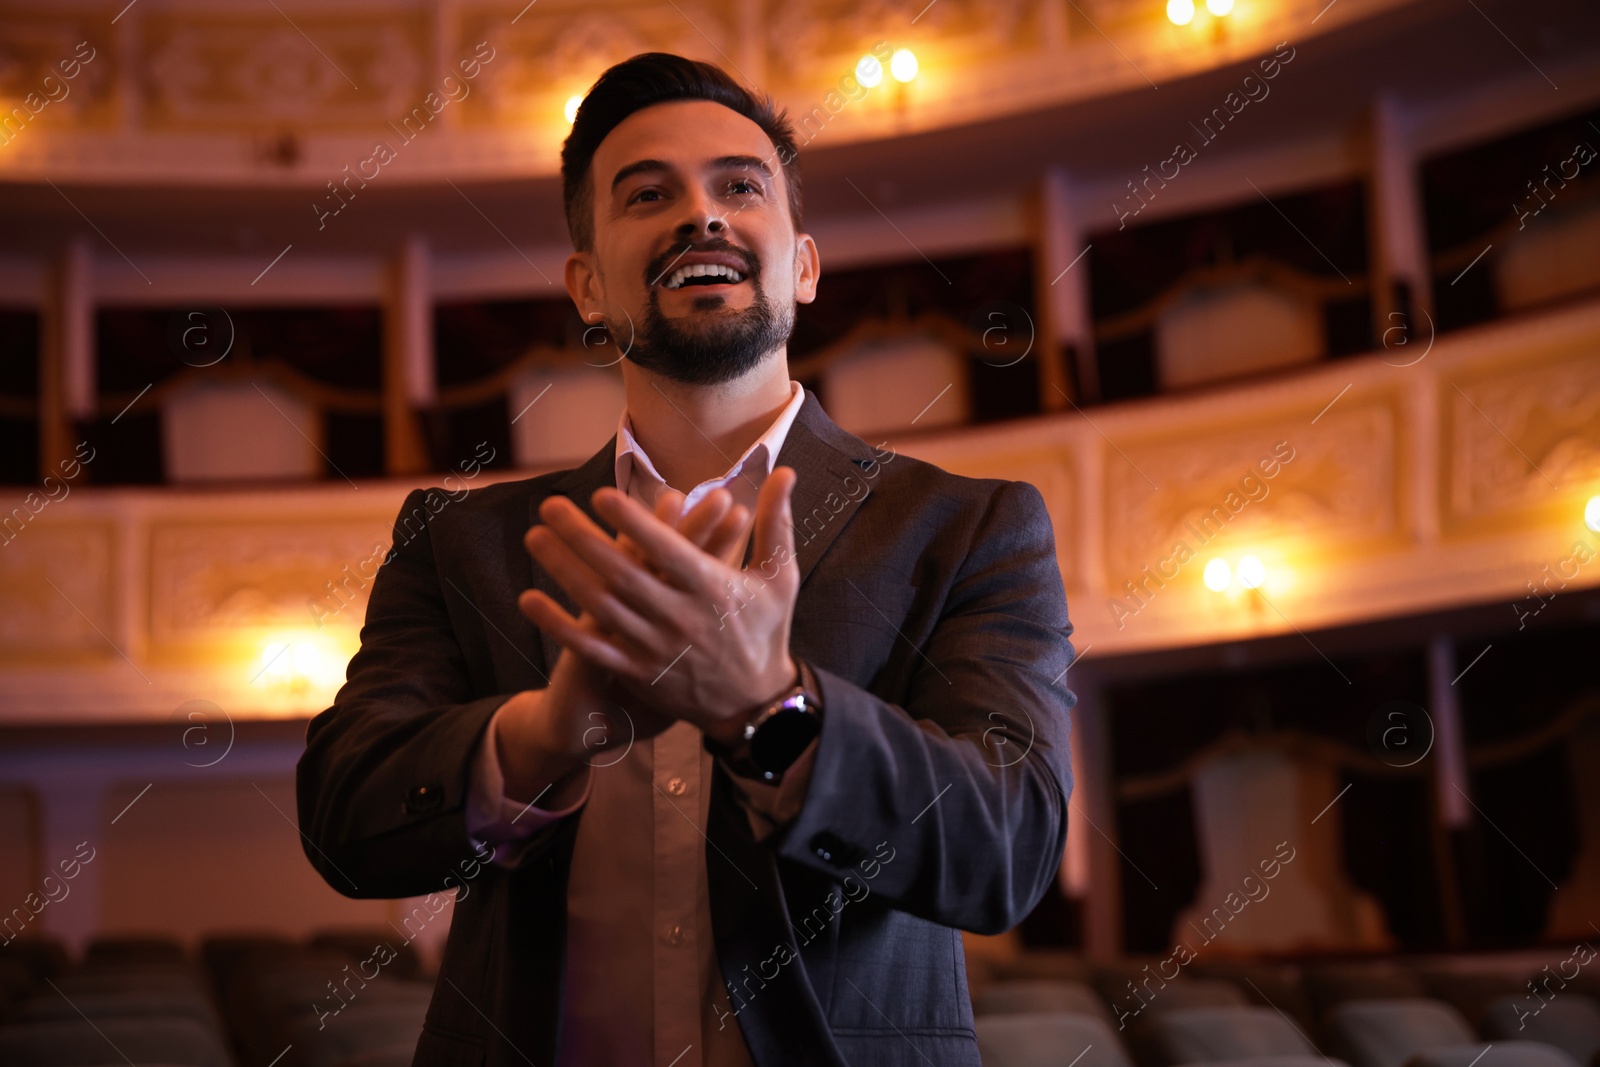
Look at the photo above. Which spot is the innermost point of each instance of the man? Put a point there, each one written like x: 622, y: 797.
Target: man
x: 751, y: 763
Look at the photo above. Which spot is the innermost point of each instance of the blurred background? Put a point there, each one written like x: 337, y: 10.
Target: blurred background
x: 1290, y: 309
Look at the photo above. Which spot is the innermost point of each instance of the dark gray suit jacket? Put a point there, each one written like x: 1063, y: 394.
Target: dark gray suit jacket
x: 932, y: 610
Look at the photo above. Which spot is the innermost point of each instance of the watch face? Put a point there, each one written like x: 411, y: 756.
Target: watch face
x: 780, y: 740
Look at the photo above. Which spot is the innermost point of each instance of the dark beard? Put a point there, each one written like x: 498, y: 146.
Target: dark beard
x: 717, y: 348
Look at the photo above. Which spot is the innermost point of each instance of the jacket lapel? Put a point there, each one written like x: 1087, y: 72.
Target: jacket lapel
x: 830, y: 484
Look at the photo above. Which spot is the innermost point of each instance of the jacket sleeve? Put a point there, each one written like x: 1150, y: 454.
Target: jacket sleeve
x: 382, y: 786
x: 954, y: 802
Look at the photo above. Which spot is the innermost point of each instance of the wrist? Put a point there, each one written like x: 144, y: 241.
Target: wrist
x: 730, y: 733
x: 777, y: 733
x: 531, y: 754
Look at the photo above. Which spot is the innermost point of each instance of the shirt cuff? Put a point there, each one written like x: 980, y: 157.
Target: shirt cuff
x: 494, y: 818
x: 770, y: 806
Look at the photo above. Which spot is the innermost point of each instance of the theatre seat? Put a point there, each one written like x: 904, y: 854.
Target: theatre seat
x: 1471, y: 993
x: 1570, y: 1022
x: 1195, y: 993
x: 1040, y: 963
x: 104, y: 980
x: 578, y: 415
x: 134, y: 950
x: 124, y: 1004
x: 898, y: 384
x: 1049, y: 1039
x: 1040, y: 996
x: 1388, y: 1033
x: 1202, y: 1035
x: 360, y: 943
x: 80, y: 1044
x: 1329, y: 985
x: 220, y: 431
x: 1270, y: 985
x: 393, y: 1056
x: 355, y: 1030
x: 1499, y: 1054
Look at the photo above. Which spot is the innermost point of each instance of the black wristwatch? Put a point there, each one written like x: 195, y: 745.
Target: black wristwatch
x: 776, y: 735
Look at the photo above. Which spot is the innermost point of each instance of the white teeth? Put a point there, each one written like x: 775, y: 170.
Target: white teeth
x: 697, y: 270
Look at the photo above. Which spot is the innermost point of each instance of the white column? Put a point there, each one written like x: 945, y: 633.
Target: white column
x: 1093, y: 819
x: 1400, y: 249
x: 71, y: 812
x: 1450, y: 782
x: 75, y: 306
x: 752, y: 24
x: 1063, y: 289
x: 444, y: 51
x: 414, y: 317
x: 408, y: 381
x: 1053, y: 22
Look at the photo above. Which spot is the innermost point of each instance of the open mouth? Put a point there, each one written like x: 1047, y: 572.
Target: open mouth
x: 702, y: 275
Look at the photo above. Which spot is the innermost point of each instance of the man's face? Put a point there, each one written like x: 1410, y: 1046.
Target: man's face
x: 695, y: 256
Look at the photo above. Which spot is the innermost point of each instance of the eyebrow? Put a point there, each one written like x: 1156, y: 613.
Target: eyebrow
x: 652, y: 166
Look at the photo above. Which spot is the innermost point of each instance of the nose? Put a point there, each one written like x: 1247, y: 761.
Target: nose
x: 701, y: 214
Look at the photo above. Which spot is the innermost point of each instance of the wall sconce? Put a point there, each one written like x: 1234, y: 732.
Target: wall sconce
x: 869, y: 72
x: 903, y: 65
x: 1248, y: 574
x: 1591, y: 514
x: 300, y: 662
x: 1182, y: 13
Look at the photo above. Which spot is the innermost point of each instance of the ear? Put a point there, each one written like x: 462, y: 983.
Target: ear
x: 807, y: 268
x: 584, y: 286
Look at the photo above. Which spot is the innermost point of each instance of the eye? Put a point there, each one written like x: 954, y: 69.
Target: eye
x: 642, y: 193
x: 749, y: 186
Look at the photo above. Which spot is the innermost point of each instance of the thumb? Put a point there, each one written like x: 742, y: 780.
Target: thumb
x: 773, y: 539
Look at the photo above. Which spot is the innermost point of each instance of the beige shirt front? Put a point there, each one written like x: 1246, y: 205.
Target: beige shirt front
x: 643, y: 984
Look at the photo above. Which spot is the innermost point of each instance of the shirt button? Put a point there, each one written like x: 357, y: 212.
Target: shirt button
x: 677, y: 787
x: 675, y: 936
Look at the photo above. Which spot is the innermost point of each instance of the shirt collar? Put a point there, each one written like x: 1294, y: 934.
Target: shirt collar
x: 637, y: 476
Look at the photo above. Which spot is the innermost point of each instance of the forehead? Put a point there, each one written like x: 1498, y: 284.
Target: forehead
x: 687, y: 134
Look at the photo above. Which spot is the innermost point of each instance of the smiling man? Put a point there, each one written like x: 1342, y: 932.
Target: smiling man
x: 755, y: 717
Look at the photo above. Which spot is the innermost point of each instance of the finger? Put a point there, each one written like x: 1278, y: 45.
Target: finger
x: 729, y: 536
x: 669, y: 507
x: 606, y: 600
x: 670, y: 553
x: 702, y: 519
x: 774, y: 528
x: 553, y: 619
x: 633, y: 577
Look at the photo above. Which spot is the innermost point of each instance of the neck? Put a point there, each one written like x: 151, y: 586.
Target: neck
x: 693, y: 433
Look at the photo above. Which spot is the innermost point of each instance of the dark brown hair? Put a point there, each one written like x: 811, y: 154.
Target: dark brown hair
x: 659, y: 78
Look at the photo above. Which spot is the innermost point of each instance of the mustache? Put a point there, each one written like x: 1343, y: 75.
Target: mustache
x: 662, y: 264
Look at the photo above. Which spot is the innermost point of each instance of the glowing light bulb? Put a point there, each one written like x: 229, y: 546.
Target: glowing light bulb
x: 275, y: 659
x: 1252, y: 572
x: 304, y: 660
x: 903, y: 65
x: 1219, y: 8
x: 869, y: 72
x: 1218, y: 574
x: 1591, y: 514
x: 572, y: 108
x: 1180, y: 12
